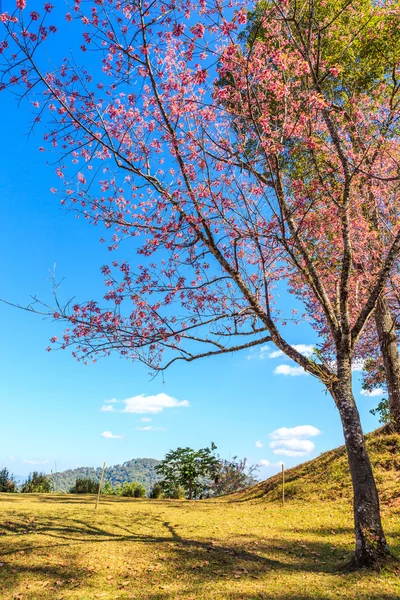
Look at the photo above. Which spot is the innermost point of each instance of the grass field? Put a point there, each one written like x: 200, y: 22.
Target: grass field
x: 55, y: 546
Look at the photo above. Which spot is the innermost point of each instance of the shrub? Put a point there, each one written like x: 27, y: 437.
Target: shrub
x: 37, y: 483
x: 7, y: 482
x: 156, y: 491
x: 85, y: 485
x: 133, y: 490
x: 176, y: 493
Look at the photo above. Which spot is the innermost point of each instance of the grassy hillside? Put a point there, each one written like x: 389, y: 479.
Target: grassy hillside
x: 327, y: 477
x: 140, y: 470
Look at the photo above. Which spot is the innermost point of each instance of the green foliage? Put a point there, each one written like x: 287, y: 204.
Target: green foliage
x: 383, y: 411
x: 133, y: 490
x: 156, y: 491
x: 175, y: 493
x: 138, y: 469
x: 37, y: 483
x: 7, y: 482
x: 188, y: 469
x: 108, y: 489
x: 360, y: 37
x: 84, y: 485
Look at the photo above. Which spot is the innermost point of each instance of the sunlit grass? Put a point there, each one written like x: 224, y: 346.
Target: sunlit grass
x: 55, y: 546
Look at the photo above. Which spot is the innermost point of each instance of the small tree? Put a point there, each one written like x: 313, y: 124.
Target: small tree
x: 7, y: 481
x: 156, y: 491
x: 38, y: 483
x: 85, y: 485
x: 233, y: 476
x: 133, y: 490
x: 188, y: 468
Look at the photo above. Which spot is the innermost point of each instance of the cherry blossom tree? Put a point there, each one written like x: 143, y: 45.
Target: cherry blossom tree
x: 230, y: 163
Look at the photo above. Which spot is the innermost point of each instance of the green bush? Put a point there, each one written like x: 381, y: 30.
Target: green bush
x: 7, y: 482
x: 156, y: 491
x: 84, y: 485
x: 37, y: 483
x: 133, y: 490
x: 176, y: 493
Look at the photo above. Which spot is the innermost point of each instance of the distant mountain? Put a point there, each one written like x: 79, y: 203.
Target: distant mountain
x: 140, y: 470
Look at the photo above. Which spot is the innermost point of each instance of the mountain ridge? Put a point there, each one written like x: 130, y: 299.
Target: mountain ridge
x: 140, y: 470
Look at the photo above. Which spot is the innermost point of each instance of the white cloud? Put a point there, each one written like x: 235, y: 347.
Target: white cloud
x: 258, y: 444
x: 357, y: 364
x: 293, y: 441
x: 292, y: 447
x: 305, y: 349
x: 35, y: 462
x: 266, y: 463
x: 375, y: 392
x: 111, y: 401
x: 150, y: 428
x: 111, y: 436
x: 145, y: 419
x: 142, y: 404
x: 298, y: 432
x: 288, y: 370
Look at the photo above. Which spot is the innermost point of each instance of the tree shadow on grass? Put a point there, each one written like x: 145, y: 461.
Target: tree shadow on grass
x: 205, y: 561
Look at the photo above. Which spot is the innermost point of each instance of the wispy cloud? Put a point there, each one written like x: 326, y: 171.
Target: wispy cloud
x: 150, y: 428
x: 258, y: 444
x: 375, y: 392
x: 266, y: 463
x: 35, y: 462
x: 145, y: 419
x: 290, y: 371
x: 142, y: 404
x: 111, y: 436
x: 265, y: 352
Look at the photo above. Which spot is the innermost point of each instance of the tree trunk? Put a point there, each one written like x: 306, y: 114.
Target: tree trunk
x: 371, y: 546
x: 385, y: 325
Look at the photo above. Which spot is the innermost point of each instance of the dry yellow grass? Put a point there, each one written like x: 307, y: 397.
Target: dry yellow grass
x: 59, y: 547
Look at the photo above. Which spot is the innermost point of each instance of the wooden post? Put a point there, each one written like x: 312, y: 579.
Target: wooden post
x: 101, y: 483
x: 283, y: 484
x: 52, y: 480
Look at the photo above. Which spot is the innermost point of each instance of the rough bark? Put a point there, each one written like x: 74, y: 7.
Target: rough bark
x: 385, y: 325
x: 371, y: 546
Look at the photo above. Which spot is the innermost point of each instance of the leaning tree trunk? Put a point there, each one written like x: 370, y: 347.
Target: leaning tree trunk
x: 371, y: 546
x: 385, y: 325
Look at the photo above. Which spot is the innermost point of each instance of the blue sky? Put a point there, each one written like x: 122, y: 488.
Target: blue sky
x: 51, y: 406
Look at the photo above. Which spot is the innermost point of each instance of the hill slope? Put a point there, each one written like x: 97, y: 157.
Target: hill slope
x: 140, y: 470
x: 327, y: 477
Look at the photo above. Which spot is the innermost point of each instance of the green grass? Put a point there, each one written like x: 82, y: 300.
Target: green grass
x: 58, y: 547
x: 245, y: 546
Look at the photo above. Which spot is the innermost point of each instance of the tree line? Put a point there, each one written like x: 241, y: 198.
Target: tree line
x: 184, y: 473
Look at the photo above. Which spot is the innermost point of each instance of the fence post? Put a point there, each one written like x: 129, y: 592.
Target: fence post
x: 283, y: 484
x: 100, y: 484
